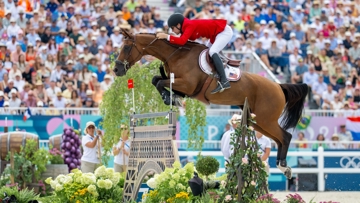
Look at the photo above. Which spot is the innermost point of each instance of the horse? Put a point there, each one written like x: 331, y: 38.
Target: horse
x: 267, y: 100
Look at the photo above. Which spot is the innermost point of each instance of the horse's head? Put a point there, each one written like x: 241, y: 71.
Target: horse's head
x: 129, y: 54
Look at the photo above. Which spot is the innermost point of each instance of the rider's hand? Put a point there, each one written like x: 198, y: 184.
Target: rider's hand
x: 161, y: 35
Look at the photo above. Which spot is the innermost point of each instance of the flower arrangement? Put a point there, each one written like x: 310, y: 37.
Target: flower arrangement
x: 56, y: 156
x: 171, y: 185
x: 103, y: 185
x: 247, y: 158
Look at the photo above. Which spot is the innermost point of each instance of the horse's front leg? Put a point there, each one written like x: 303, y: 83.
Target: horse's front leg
x: 165, y: 94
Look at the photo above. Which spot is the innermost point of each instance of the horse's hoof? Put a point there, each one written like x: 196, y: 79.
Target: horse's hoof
x: 277, y: 162
x: 283, y: 163
x: 288, y: 173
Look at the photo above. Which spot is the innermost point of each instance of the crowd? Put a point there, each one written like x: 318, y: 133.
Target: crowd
x: 312, y: 42
x: 57, y: 53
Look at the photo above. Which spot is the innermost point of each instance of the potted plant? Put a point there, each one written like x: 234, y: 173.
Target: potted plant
x: 28, y: 166
x: 56, y: 166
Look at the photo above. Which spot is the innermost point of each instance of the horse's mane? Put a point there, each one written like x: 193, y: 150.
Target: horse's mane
x: 188, y: 43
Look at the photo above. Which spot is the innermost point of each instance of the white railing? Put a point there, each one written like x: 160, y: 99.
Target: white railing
x: 225, y: 111
x: 320, y: 169
x: 214, y: 144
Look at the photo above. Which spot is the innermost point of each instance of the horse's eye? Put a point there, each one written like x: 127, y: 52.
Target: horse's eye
x: 127, y: 48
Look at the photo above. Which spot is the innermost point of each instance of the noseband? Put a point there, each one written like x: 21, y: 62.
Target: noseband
x: 126, y: 63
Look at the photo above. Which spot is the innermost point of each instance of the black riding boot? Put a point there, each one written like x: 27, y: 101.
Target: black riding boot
x: 223, y: 83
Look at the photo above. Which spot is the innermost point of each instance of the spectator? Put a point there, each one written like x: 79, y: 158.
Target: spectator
x: 320, y: 142
x: 328, y: 96
x: 302, y: 141
x: 31, y: 99
x: 336, y: 143
x: 299, y: 72
x: 14, y: 102
x: 106, y: 84
x: 59, y: 102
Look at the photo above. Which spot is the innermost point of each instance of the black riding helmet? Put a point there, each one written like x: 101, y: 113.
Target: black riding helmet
x: 175, y: 19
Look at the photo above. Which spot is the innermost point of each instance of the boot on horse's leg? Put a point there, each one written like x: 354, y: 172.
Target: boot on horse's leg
x: 176, y: 100
x: 223, y: 84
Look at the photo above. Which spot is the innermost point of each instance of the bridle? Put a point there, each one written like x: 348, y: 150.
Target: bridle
x: 126, y: 63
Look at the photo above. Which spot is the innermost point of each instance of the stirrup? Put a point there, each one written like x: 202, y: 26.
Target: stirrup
x: 222, y: 88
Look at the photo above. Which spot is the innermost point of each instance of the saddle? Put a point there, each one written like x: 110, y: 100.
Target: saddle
x: 232, y: 72
x: 232, y: 67
x: 226, y: 60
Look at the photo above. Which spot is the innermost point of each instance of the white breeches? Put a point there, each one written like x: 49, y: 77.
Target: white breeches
x: 221, y: 40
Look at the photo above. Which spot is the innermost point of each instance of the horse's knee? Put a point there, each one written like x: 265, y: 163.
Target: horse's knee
x: 155, y: 80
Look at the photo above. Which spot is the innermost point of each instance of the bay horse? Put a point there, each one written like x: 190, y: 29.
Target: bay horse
x: 267, y: 99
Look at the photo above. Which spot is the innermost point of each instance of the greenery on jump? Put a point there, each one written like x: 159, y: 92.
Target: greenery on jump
x: 117, y: 105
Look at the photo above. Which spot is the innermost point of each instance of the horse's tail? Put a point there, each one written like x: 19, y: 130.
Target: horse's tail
x: 295, y: 95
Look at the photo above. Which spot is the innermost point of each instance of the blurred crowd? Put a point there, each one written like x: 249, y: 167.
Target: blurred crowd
x: 57, y: 53
x: 304, y: 41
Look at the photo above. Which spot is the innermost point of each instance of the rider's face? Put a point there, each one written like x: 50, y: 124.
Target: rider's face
x: 176, y: 29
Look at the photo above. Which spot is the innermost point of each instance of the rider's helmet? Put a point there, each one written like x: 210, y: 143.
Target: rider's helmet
x: 175, y: 19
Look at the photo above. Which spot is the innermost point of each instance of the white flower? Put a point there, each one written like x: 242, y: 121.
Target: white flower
x: 88, y: 179
x: 60, y: 178
x: 100, y: 172
x: 108, y: 184
x: 251, y: 128
x: 265, y: 163
x: 253, y: 115
x: 151, y: 183
x: 68, y: 180
x: 58, y: 187
x: 228, y: 198
x: 53, y: 184
x: 252, y: 183
x: 244, y: 160
x: 188, y: 190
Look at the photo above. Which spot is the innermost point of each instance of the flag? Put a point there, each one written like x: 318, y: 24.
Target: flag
x: 303, y: 122
x: 353, y: 125
x: 27, y: 114
x: 130, y: 84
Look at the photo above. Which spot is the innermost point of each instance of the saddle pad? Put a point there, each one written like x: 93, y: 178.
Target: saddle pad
x: 232, y: 73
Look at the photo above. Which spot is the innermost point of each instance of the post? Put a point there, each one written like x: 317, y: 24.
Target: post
x: 6, y: 128
x: 71, y: 122
x: 12, y: 165
x: 133, y: 98
x: 172, y: 77
x: 321, y: 180
x: 131, y: 86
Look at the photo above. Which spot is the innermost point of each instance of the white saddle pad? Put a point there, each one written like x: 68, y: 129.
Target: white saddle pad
x: 232, y: 73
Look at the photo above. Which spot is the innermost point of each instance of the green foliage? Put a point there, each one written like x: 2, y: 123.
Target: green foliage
x: 22, y: 196
x: 117, y: 105
x: 171, y: 185
x: 207, y: 165
x: 196, y: 120
x: 28, y: 162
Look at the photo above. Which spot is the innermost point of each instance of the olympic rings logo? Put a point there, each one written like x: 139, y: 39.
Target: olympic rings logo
x: 348, y: 162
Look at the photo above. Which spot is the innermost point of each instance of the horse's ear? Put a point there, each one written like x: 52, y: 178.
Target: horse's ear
x: 126, y: 33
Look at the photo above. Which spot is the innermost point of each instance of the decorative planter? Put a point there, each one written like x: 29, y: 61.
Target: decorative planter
x: 53, y: 170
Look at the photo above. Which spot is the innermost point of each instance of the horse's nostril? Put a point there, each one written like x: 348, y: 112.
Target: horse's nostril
x: 116, y: 70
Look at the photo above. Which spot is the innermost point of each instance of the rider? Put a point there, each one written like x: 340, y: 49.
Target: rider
x: 217, y: 31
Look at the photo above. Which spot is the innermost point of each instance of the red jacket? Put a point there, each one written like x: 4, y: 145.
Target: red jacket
x: 194, y: 29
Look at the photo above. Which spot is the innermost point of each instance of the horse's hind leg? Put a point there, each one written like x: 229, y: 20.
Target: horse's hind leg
x: 284, y: 137
x: 276, y: 140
